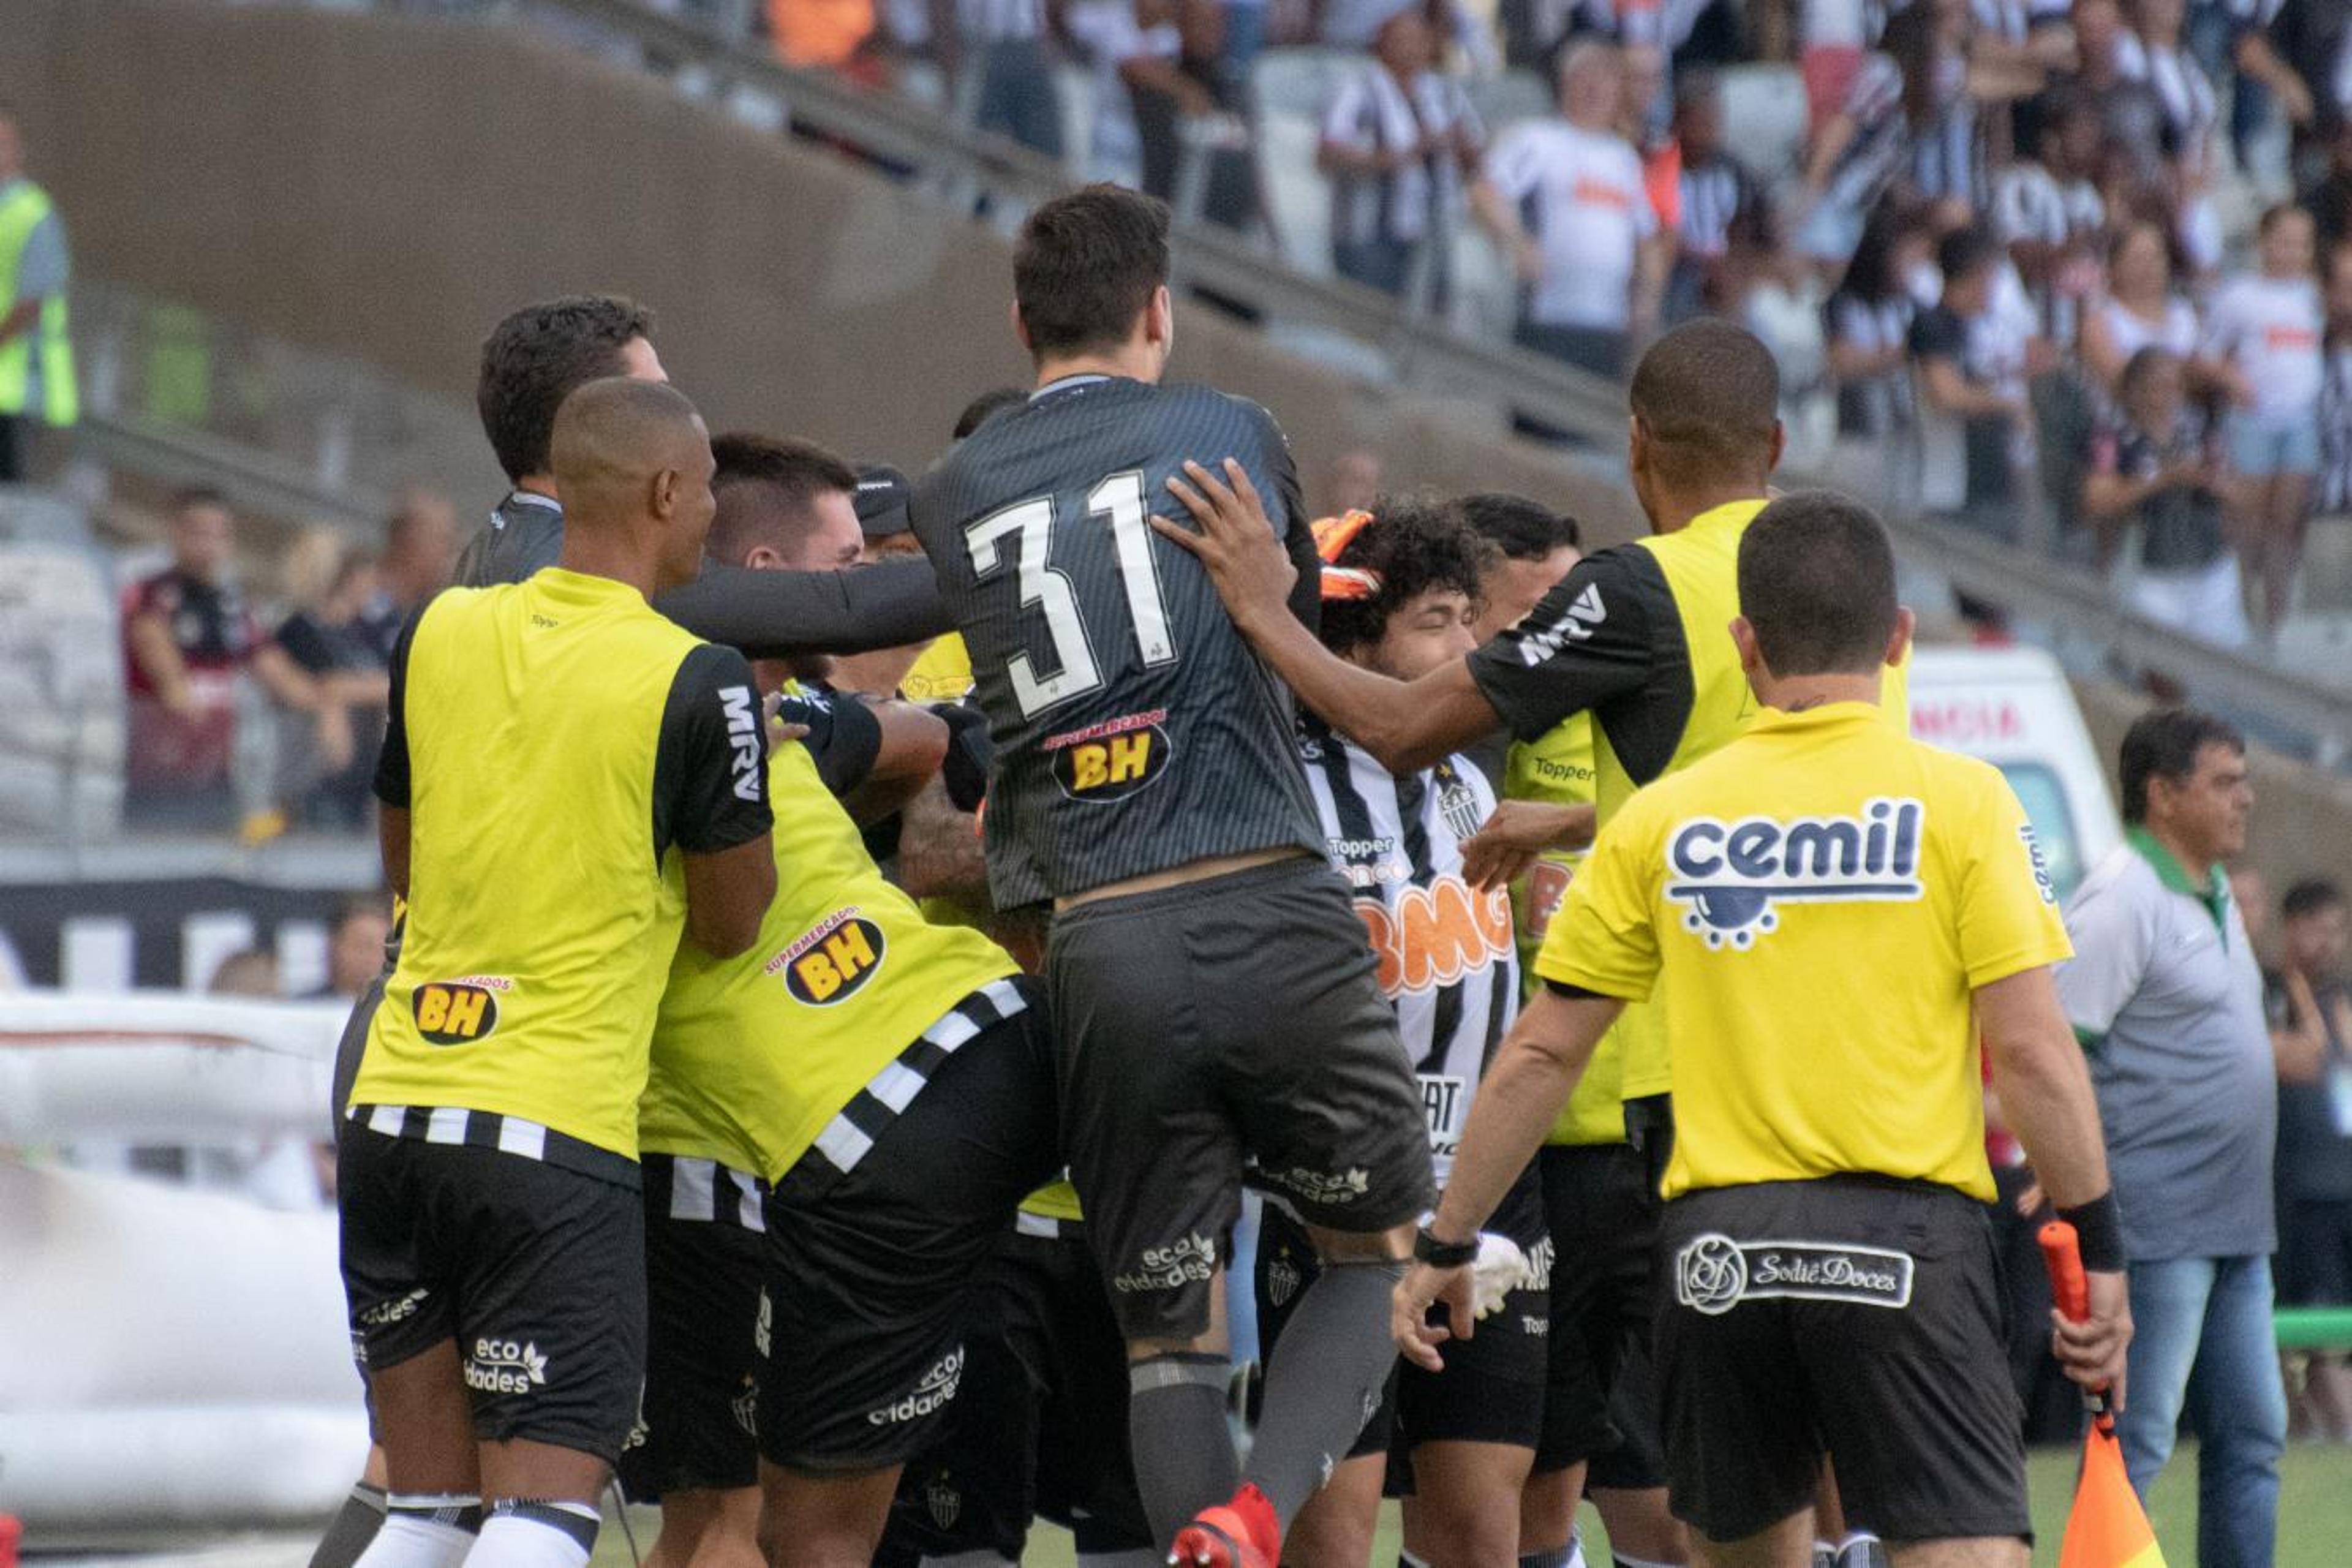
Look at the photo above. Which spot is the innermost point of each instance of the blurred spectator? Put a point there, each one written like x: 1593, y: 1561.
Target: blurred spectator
x: 420, y: 557
x: 188, y: 640
x: 1397, y: 138
x: 1109, y: 36
x: 1565, y: 199
x: 1892, y: 107
x: 330, y: 585
x: 2141, y: 309
x: 1352, y: 482
x: 997, y: 51
x: 36, y: 367
x: 1970, y: 363
x: 2048, y: 211
x: 2310, y: 1012
x: 355, y: 942
x: 824, y: 34
x: 1780, y: 300
x: 2264, y: 333
x: 1869, y: 332
x: 1832, y: 38
x: 2332, y: 495
x: 1721, y: 206
x: 1193, y: 102
x: 2167, y: 996
x: 2156, y: 477
x: 2328, y: 199
x: 248, y: 971
x: 2185, y: 94
x: 2293, y: 51
x: 2130, y: 114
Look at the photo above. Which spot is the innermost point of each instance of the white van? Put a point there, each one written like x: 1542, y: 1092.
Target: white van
x: 2012, y: 708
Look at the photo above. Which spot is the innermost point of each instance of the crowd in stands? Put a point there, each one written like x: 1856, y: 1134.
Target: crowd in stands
x: 1993, y: 212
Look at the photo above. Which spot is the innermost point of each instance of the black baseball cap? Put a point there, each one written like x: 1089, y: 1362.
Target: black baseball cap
x: 881, y: 500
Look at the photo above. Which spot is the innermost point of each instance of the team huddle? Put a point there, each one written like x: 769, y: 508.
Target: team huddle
x: 832, y: 1110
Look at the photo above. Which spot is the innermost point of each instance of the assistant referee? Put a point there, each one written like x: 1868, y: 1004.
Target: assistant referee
x: 570, y: 783
x: 1829, y: 911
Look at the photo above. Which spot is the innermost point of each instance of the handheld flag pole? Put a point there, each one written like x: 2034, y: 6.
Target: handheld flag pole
x: 2107, y: 1528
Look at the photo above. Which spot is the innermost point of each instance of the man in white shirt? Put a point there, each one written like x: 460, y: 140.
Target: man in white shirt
x: 1565, y: 199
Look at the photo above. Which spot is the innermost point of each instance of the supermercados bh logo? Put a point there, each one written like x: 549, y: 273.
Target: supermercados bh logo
x: 1732, y: 874
x: 832, y: 960
x: 454, y: 1012
x: 1114, y: 759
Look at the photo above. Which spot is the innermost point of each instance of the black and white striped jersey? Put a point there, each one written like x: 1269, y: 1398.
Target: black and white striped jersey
x: 1447, y: 958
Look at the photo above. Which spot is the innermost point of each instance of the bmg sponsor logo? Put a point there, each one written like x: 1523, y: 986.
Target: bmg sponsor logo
x: 1114, y: 759
x: 459, y: 1011
x: 832, y: 961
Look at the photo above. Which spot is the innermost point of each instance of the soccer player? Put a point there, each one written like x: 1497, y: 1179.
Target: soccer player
x: 531, y: 361
x: 890, y: 1079
x: 1835, y: 914
x: 1214, y: 996
x: 492, y: 1237
x: 780, y: 506
x: 1399, y: 593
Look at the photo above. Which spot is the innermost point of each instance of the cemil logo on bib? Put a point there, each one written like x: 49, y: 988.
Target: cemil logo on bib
x: 1112, y: 759
x: 1731, y: 874
x: 832, y: 961
x: 456, y: 1011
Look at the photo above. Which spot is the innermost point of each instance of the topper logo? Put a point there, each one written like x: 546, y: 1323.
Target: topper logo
x: 1730, y: 875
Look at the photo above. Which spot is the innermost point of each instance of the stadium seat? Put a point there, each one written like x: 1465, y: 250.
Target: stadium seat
x: 61, y: 693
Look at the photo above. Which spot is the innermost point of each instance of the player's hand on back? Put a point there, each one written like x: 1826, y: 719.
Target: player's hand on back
x: 1234, y: 538
x: 1501, y: 851
x: 2091, y: 1351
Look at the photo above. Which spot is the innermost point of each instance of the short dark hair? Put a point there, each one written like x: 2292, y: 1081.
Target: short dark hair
x: 1413, y: 546
x: 788, y: 473
x: 1817, y: 585
x: 1964, y: 251
x: 535, y: 358
x: 1085, y: 266
x: 2166, y: 743
x: 1709, y: 394
x: 2143, y: 364
x: 1521, y: 528
x: 188, y: 498
x: 2310, y: 896
x: 985, y: 408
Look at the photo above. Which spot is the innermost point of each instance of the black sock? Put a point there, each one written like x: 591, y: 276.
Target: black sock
x: 354, y: 1526
x: 1184, y: 1459
x: 1336, y: 1359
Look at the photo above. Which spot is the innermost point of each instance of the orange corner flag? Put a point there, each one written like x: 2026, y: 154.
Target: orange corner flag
x: 2107, y: 1528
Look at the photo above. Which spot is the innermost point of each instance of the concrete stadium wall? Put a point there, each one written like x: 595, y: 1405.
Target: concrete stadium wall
x: 387, y: 187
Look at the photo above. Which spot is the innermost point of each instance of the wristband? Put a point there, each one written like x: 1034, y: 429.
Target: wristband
x: 1427, y: 1248
x: 2098, y: 1234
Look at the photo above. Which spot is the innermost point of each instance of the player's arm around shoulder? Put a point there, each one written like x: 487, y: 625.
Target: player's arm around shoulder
x: 711, y: 798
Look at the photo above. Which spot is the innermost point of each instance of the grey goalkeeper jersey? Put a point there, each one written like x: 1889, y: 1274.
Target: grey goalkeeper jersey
x: 1134, y: 730
x: 768, y: 614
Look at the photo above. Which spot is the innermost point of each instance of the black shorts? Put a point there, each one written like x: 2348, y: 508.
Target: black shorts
x: 535, y: 1270
x: 868, y: 1270
x: 1852, y: 1316
x: 1039, y: 1429
x: 1492, y: 1390
x: 705, y: 1252
x: 1600, y: 1407
x: 1208, y: 1026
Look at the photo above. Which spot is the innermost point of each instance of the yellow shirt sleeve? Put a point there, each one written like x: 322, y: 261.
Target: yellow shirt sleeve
x: 2009, y: 915
x: 1604, y: 938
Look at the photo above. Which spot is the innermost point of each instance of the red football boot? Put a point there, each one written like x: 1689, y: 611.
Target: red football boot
x: 1241, y: 1533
